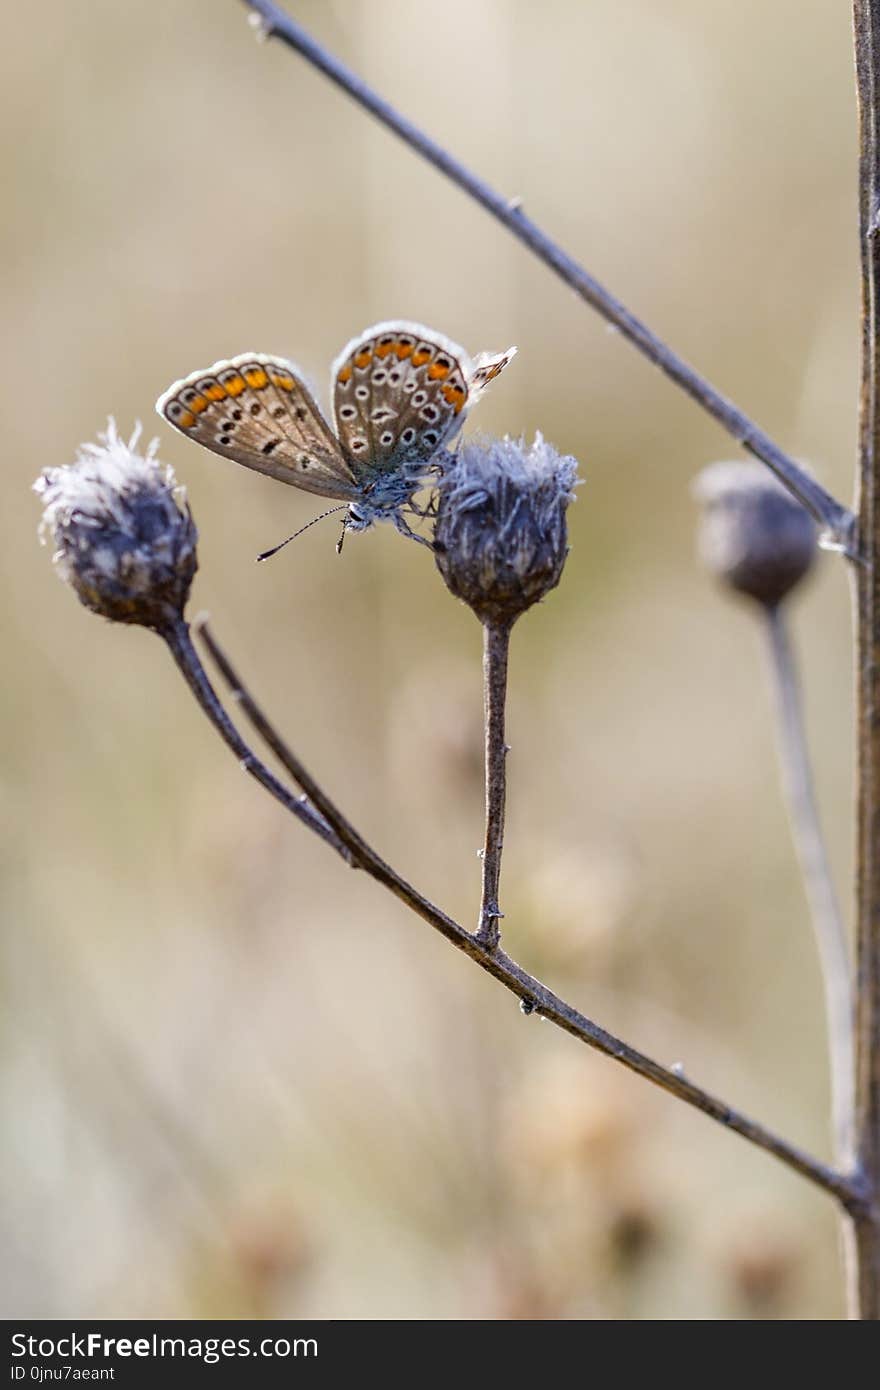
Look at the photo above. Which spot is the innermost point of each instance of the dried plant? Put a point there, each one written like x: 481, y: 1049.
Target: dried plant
x: 126, y: 544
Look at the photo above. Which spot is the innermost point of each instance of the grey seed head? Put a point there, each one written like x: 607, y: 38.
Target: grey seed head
x: 500, y: 537
x: 753, y: 534
x: 125, y: 540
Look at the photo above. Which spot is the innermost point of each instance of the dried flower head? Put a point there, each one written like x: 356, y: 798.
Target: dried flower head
x: 125, y: 544
x: 500, y: 538
x: 753, y: 534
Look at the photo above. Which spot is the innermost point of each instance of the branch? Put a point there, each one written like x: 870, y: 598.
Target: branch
x: 867, y: 1229
x: 837, y: 519
x: 534, y: 996
x: 811, y: 851
x: 176, y: 636
x: 496, y: 646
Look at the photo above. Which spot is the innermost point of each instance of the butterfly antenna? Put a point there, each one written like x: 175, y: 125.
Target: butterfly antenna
x: 267, y: 554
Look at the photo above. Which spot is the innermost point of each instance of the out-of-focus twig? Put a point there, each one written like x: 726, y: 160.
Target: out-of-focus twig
x: 535, y: 997
x: 831, y: 514
x: 825, y: 913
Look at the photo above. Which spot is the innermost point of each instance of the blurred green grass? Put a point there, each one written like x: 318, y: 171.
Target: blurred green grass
x: 236, y: 1079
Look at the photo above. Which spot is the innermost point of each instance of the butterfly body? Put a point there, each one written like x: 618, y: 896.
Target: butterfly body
x: 400, y: 394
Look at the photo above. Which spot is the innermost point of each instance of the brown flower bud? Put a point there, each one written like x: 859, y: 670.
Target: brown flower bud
x: 753, y: 534
x: 500, y: 538
x: 124, y: 543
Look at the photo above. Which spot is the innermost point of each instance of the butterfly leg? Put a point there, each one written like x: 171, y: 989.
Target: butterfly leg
x: 406, y: 530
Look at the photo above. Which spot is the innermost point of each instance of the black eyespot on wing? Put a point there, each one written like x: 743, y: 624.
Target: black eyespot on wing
x: 269, y: 446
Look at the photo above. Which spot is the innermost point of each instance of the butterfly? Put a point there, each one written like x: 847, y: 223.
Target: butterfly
x: 400, y: 395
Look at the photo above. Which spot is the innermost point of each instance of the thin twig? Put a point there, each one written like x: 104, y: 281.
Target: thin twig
x: 496, y: 647
x: 831, y: 514
x: 534, y: 996
x: 810, y: 847
x: 358, y: 851
x: 178, y: 640
x: 867, y: 1227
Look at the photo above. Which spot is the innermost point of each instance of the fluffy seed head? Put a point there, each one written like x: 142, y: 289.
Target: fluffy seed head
x: 753, y: 534
x: 500, y: 538
x: 125, y: 540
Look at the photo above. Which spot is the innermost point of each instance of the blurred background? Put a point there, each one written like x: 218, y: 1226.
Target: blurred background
x: 237, y: 1080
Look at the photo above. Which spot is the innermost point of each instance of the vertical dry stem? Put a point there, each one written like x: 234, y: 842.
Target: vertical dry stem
x: 867, y: 1224
x: 496, y: 646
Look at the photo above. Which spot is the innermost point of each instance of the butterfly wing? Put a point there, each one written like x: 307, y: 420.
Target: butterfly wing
x: 256, y: 410
x: 400, y: 391
x: 485, y: 368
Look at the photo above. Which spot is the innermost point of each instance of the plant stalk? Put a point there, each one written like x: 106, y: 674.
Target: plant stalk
x: 825, y: 915
x: 496, y: 647
x: 836, y: 519
x: 867, y: 582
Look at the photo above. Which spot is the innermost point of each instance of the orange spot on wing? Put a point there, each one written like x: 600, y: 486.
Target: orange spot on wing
x: 256, y: 378
x: 344, y: 376
x: 455, y: 396
x: 363, y: 358
x: 403, y: 350
x: 235, y: 385
x: 383, y: 349
x: 216, y: 392
x: 281, y: 379
x: 420, y: 357
x: 437, y: 373
x: 187, y: 420
x: 198, y: 404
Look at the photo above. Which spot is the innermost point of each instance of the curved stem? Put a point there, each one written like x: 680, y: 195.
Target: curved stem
x: 811, y: 851
x: 833, y: 515
x: 496, y: 647
x: 356, y: 847
x: 534, y: 996
x: 176, y: 636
